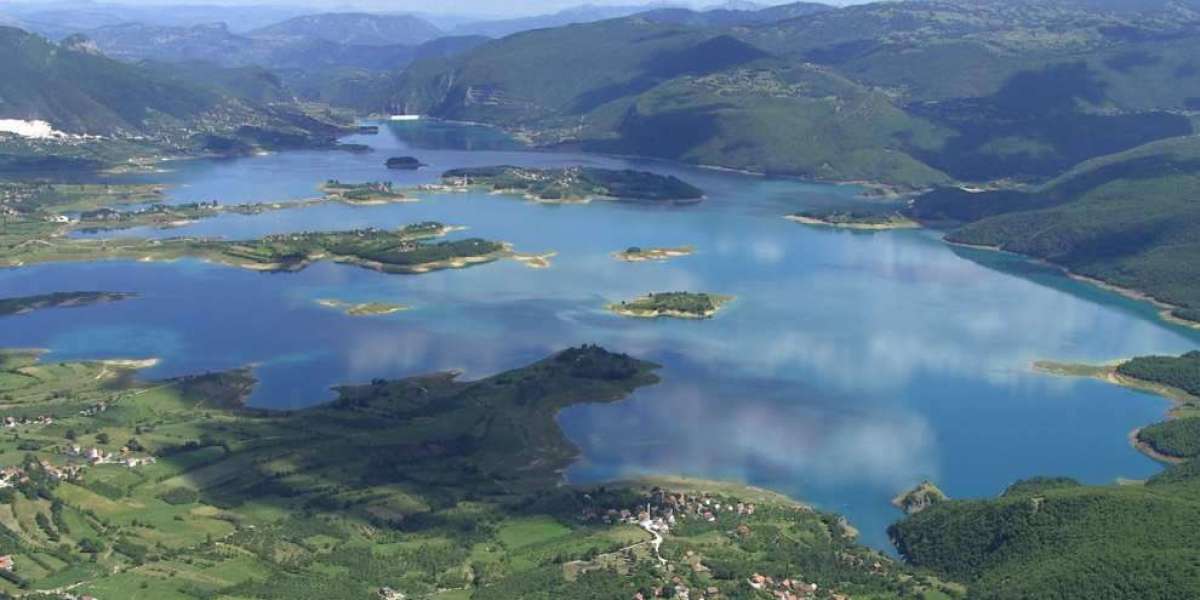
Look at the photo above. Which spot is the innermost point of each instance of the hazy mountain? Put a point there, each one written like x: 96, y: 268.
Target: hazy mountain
x: 586, y: 13
x: 357, y: 29
x: 138, y: 109
x: 60, y: 19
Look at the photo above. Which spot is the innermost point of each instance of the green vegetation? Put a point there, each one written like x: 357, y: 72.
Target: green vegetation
x: 404, y: 250
x: 427, y: 486
x: 142, y: 113
x: 638, y: 254
x: 855, y: 219
x: 1129, y: 220
x: 1054, y: 538
x: 1179, y: 438
x: 26, y: 304
x: 575, y: 184
x: 1178, y: 372
x: 907, y: 93
x: 373, y: 192
x: 919, y: 498
x: 682, y: 305
x: 364, y: 309
x: 407, y: 163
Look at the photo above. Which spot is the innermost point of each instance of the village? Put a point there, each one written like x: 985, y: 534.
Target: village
x: 663, y: 511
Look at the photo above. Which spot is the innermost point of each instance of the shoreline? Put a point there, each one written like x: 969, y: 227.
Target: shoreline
x: 890, y: 226
x: 1107, y: 373
x: 1165, y: 309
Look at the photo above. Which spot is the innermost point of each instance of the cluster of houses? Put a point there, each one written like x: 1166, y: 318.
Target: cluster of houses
x: 664, y: 509
x: 97, y: 456
x: 788, y: 589
x: 11, y: 476
x: 14, y: 422
x: 94, y: 409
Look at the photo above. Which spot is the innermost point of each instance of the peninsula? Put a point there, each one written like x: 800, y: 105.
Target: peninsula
x: 863, y: 220
x: 404, y: 250
x: 574, y: 184
x: 27, y: 304
x: 680, y: 305
x: 421, y: 487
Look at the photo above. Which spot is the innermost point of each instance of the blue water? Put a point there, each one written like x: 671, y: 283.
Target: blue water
x: 850, y: 367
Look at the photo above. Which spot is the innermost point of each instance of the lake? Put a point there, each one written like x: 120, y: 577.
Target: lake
x: 850, y: 367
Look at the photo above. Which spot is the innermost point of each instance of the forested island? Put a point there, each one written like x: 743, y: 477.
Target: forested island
x: 27, y: 304
x: 575, y: 184
x: 639, y: 254
x: 404, y: 250
x: 362, y: 309
x: 421, y: 487
x: 371, y: 192
x: 680, y: 305
x: 855, y: 219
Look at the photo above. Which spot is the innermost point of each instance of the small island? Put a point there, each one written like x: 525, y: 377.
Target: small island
x: 28, y: 304
x: 679, y: 305
x: 855, y: 219
x: 574, y: 184
x: 404, y: 163
x: 919, y: 498
x: 638, y: 254
x: 369, y: 193
x: 364, y: 309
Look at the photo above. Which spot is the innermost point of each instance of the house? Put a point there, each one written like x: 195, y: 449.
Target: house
x: 6, y: 563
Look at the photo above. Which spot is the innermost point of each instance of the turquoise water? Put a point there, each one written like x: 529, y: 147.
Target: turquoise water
x: 850, y: 366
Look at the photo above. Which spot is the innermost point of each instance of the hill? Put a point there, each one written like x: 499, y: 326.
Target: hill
x: 79, y: 92
x: 910, y: 93
x: 725, y: 102
x: 1131, y: 219
x: 354, y: 29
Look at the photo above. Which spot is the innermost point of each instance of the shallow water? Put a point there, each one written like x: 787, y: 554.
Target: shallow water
x: 850, y: 366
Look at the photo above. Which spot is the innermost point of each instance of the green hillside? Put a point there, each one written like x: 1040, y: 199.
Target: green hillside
x: 1132, y: 219
x: 136, y: 111
x: 907, y: 93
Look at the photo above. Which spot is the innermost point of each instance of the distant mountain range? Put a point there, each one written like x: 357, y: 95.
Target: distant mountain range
x: 354, y: 29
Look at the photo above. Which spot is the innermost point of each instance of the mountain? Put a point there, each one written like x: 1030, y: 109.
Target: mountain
x: 586, y: 13
x: 59, y: 19
x: 1131, y: 219
x: 354, y: 29
x: 974, y: 90
x: 138, y: 110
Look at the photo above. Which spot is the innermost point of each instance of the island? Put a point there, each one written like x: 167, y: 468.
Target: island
x: 28, y: 304
x: 369, y: 193
x: 405, y: 163
x: 363, y: 309
x: 638, y: 254
x: 166, y: 216
x: 425, y: 487
x: 855, y: 219
x: 680, y: 305
x: 574, y: 184
x: 405, y: 250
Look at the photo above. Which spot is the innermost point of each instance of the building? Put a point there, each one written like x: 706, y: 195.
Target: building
x: 6, y: 563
